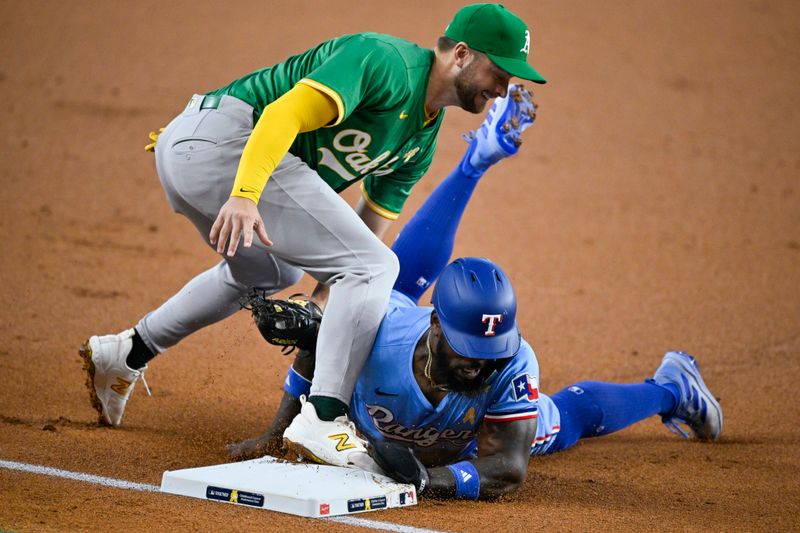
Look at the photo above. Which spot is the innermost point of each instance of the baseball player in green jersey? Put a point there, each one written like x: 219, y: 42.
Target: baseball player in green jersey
x: 270, y: 152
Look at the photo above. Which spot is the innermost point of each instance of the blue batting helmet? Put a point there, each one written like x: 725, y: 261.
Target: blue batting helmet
x: 477, y: 309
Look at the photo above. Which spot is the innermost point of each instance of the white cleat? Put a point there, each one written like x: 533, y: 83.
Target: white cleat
x: 697, y: 408
x: 109, y: 379
x: 333, y: 443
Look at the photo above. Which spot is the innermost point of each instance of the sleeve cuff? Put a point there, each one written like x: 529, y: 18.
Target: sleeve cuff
x: 252, y: 196
x: 330, y: 93
x: 385, y: 213
x: 538, y: 441
x: 510, y: 417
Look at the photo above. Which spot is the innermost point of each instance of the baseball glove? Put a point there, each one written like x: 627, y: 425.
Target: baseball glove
x: 291, y: 323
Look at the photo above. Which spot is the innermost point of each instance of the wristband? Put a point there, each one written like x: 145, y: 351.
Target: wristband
x: 295, y: 384
x: 468, y: 482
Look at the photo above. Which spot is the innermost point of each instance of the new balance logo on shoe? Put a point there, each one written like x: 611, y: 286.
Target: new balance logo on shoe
x: 344, y: 441
x: 121, y: 386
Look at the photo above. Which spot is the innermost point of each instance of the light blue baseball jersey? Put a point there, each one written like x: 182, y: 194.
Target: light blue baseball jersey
x: 388, y: 404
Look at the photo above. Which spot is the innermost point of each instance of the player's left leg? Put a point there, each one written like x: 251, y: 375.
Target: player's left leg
x: 425, y: 243
x: 594, y: 408
x: 676, y: 393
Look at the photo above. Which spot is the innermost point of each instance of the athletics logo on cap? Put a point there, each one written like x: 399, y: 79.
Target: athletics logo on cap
x: 527, y: 47
x: 524, y: 386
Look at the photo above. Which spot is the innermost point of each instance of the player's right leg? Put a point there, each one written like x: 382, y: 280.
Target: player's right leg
x: 315, y: 229
x: 677, y: 393
x: 425, y: 243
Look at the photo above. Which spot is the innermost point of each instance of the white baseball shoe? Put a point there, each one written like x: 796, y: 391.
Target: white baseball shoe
x: 498, y: 136
x: 697, y: 408
x: 109, y: 379
x: 333, y: 443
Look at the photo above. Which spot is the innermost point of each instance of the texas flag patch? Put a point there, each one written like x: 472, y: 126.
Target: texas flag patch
x: 525, y: 386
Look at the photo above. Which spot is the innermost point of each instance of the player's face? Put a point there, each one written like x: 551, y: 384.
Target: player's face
x: 480, y: 81
x: 459, y: 374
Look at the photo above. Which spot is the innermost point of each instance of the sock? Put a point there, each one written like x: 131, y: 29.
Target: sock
x: 425, y: 243
x: 676, y: 397
x: 594, y: 408
x: 140, y: 354
x: 328, y: 408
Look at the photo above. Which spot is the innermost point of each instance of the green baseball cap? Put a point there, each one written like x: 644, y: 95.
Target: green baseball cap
x: 498, y: 33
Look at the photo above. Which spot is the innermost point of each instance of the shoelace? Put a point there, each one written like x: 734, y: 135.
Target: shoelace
x: 144, y: 382
x: 673, y: 427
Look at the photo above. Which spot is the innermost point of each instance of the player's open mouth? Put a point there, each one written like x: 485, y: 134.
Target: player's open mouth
x: 486, y: 95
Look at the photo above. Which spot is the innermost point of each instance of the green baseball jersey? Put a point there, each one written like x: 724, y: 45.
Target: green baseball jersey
x: 378, y: 83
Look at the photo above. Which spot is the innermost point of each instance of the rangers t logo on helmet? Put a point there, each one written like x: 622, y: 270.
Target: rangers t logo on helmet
x: 492, y: 321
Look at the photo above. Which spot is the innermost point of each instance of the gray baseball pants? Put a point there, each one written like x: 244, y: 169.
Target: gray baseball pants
x: 313, y: 230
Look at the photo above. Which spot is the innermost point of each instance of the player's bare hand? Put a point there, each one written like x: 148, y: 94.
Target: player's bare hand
x: 238, y: 218
x: 266, y: 444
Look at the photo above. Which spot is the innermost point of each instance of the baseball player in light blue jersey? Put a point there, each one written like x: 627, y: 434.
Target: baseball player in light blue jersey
x: 448, y: 398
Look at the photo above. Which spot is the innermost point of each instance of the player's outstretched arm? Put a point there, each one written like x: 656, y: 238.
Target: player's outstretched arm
x: 300, y: 110
x: 501, y: 465
x: 271, y: 441
x: 504, y: 449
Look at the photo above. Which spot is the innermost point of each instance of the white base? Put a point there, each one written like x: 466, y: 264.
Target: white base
x: 299, y: 489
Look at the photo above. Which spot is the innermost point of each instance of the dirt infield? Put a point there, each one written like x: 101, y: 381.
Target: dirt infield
x: 655, y: 205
